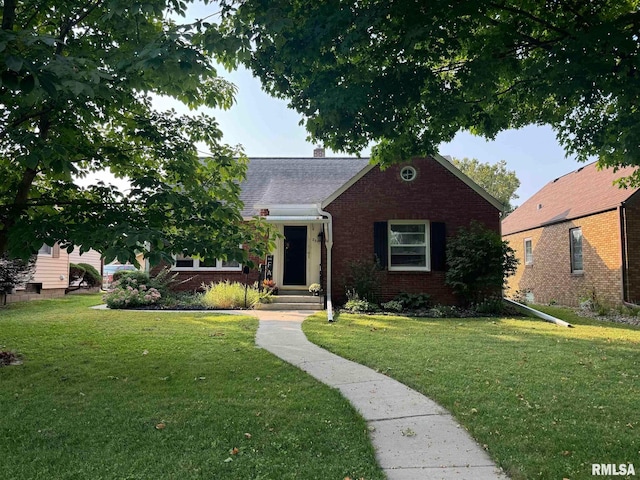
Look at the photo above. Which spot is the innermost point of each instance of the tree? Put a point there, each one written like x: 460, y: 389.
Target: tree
x: 495, y: 179
x: 410, y: 74
x: 14, y: 272
x: 76, y: 84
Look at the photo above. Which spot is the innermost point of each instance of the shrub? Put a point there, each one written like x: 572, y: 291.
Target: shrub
x: 132, y: 290
x: 364, y: 279
x: 137, y: 275
x: 227, y: 295
x: 91, y: 276
x: 414, y: 301
x: 126, y: 295
x: 490, y: 306
x: 361, y: 306
x: 76, y: 272
x: 479, y: 263
x: 357, y: 305
x: 392, y: 306
x: 163, y: 281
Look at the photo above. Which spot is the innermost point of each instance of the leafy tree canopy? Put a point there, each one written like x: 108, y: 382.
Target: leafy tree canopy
x: 76, y: 80
x: 409, y: 74
x: 494, y: 178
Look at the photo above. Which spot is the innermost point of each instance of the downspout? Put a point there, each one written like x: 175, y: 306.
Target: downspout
x: 623, y: 249
x: 328, y: 243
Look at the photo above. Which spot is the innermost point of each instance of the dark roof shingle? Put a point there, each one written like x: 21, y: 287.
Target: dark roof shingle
x: 295, y: 180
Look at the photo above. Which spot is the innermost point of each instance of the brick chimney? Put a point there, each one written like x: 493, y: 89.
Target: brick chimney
x: 318, y: 152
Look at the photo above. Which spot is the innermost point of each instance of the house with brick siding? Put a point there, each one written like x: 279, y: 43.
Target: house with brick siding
x: 332, y: 212
x: 576, y: 238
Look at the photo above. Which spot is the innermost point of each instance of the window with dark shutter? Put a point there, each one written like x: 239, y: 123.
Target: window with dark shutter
x: 380, y: 243
x: 438, y: 246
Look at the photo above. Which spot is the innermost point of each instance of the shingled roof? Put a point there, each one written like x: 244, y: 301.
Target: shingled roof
x: 286, y: 181
x: 583, y: 192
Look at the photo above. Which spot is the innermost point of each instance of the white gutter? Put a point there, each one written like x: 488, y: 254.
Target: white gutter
x: 328, y: 243
x: 293, y: 218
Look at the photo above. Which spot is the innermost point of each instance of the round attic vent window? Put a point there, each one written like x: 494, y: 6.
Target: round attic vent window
x: 408, y: 174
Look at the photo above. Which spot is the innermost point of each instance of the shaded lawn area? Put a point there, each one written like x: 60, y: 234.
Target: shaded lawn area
x: 546, y: 401
x: 150, y: 395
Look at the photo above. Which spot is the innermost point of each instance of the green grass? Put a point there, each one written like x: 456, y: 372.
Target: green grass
x: 95, y: 385
x: 547, y: 401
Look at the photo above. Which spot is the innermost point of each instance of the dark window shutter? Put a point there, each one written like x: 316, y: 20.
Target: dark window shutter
x: 380, y: 243
x: 438, y: 247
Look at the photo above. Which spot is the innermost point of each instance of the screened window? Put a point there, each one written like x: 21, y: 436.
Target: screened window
x: 576, y: 250
x: 408, y: 246
x: 528, y: 251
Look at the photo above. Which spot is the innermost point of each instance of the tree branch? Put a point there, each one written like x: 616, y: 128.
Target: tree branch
x: 66, y: 28
x: 530, y: 16
x: 8, y: 14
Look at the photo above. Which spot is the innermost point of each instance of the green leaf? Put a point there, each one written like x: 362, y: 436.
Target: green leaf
x: 13, y: 63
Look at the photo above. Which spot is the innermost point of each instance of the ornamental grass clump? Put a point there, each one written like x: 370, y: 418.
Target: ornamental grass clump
x: 132, y: 291
x: 227, y: 295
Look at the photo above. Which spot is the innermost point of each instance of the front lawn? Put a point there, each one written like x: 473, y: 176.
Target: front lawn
x: 547, y: 401
x: 155, y: 395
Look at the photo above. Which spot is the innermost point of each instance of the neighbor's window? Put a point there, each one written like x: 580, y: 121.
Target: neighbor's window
x: 189, y: 263
x: 408, y: 245
x: 577, y: 265
x: 45, y: 250
x: 528, y: 251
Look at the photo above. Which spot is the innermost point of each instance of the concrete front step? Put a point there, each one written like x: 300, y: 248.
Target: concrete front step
x: 289, y: 306
x: 296, y: 299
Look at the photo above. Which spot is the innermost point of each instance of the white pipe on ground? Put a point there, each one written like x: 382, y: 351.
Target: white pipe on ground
x: 538, y: 313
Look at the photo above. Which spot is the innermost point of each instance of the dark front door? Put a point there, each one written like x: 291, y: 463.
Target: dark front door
x: 295, y: 255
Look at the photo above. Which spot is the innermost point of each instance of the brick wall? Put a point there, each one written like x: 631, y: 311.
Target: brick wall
x: 435, y: 195
x: 549, y: 278
x: 194, y: 280
x: 22, y: 296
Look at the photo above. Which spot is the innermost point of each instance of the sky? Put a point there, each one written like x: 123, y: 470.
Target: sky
x: 265, y: 127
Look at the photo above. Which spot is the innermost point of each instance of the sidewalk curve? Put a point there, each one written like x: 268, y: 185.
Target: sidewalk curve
x: 414, y: 437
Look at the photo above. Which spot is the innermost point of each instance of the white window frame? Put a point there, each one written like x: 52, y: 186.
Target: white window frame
x: 427, y: 244
x: 412, y: 173
x: 45, y: 250
x: 219, y: 267
x: 571, y: 250
x: 528, y: 256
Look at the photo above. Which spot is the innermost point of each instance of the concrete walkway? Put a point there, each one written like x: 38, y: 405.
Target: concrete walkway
x: 414, y: 438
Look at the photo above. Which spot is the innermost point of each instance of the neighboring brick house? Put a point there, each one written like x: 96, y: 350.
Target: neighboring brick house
x: 401, y: 215
x: 578, y: 236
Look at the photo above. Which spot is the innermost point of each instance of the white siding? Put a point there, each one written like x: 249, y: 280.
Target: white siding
x: 91, y: 257
x: 52, y: 270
